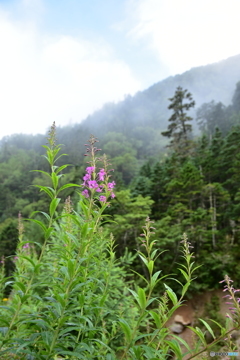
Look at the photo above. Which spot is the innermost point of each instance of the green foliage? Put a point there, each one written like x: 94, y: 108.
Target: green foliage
x: 179, y: 129
x: 69, y: 295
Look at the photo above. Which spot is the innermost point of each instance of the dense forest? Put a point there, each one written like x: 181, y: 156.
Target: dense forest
x: 175, y: 151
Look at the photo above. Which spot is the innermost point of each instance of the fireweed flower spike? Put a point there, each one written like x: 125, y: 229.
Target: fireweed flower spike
x: 234, y: 302
x: 97, y: 179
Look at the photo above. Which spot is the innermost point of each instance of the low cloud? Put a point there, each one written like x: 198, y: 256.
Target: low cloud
x: 54, y: 78
x: 187, y: 33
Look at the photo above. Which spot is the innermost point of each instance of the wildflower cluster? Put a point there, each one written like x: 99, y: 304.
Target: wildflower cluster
x: 234, y: 301
x: 97, y: 181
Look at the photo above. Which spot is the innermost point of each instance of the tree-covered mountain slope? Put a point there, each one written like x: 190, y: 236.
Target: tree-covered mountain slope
x: 150, y: 107
x: 136, y: 119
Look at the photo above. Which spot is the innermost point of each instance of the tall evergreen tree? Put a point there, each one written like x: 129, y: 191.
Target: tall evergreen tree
x: 179, y: 129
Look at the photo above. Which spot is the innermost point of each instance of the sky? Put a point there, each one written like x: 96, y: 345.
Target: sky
x: 61, y: 60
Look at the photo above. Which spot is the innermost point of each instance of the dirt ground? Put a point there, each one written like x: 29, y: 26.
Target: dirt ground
x: 194, y: 309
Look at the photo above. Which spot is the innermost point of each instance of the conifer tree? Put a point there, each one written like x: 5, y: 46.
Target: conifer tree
x: 179, y: 129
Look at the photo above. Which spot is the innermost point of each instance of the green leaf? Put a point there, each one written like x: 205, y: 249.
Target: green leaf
x: 151, y: 300
x: 41, y: 212
x: 11, y: 309
x: 150, y: 266
x: 154, y: 278
x: 185, y: 288
x: 48, y: 190
x: 68, y: 329
x: 156, y: 318
x: 199, y: 333
x: 182, y: 341
x: 142, y: 298
x: 61, y: 168
x: 71, y: 268
x: 174, y: 345
x: 28, y: 259
x: 134, y: 294
x: 84, y: 230
x: 40, y: 223
x: 171, y: 294
x: 143, y: 259
x: 53, y: 205
x: 184, y: 274
x: 43, y: 172
x: 126, y: 329
x: 48, y: 232
x: 141, y: 276
x: 54, y: 180
x: 208, y: 327
x: 67, y: 186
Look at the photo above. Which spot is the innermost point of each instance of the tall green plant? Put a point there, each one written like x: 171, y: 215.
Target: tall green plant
x: 69, y: 299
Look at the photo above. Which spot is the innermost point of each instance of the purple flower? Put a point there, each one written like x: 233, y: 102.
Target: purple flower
x: 111, y: 185
x: 26, y: 246
x: 85, y: 193
x: 102, y: 198
x: 101, y: 174
x: 99, y: 189
x: 86, y: 178
x: 113, y: 195
x: 92, y: 184
x: 90, y: 169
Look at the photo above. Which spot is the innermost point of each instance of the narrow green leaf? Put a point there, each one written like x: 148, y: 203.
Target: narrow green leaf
x: 151, y: 300
x: 62, y: 168
x: 71, y: 268
x: 134, y: 294
x: 48, y: 190
x: 54, y: 180
x: 143, y: 259
x: 142, y: 298
x: 43, y: 172
x: 174, y: 345
x: 126, y: 329
x: 141, y: 276
x: 154, y: 278
x: 199, y: 333
x: 41, y: 212
x: 185, y: 288
x: 48, y: 232
x: 171, y: 294
x: 28, y: 259
x: 46, y: 147
x: 40, y: 223
x: 219, y: 325
x: 84, y: 230
x: 184, y: 274
x: 150, y: 266
x: 154, y: 253
x: 11, y: 309
x: 53, y: 205
x: 67, y: 186
x: 156, y: 318
x: 208, y: 327
x: 183, y: 342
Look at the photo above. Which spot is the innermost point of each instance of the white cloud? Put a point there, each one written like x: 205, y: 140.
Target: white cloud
x: 54, y: 78
x: 188, y: 33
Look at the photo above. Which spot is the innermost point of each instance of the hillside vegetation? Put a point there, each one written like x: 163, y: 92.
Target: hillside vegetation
x: 195, y: 190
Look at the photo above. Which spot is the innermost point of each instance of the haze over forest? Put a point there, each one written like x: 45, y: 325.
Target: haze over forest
x: 195, y: 191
